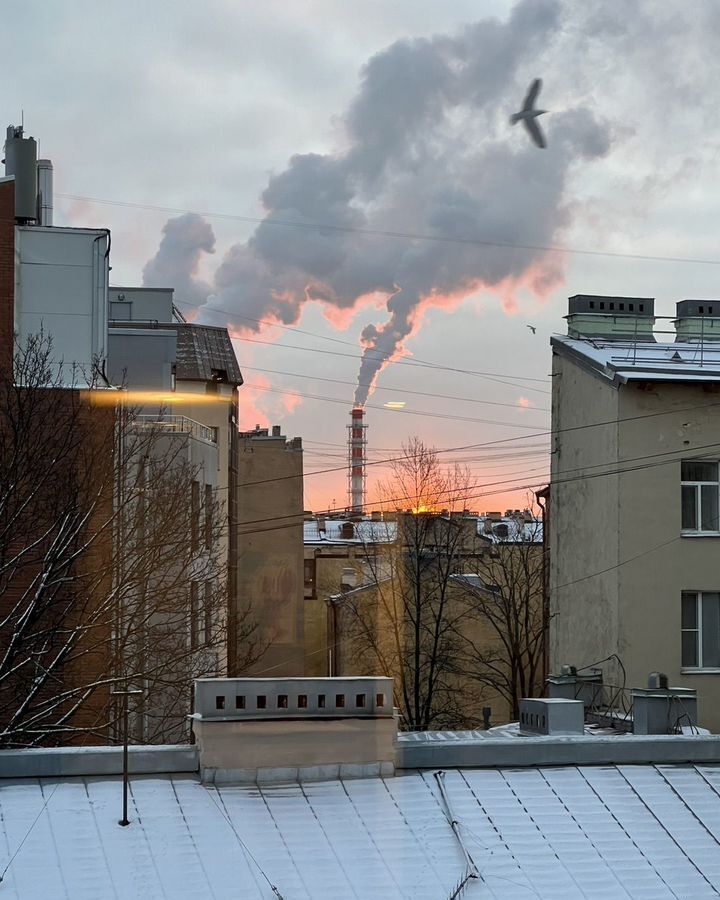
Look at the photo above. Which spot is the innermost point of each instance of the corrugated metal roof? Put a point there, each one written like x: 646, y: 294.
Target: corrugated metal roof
x: 202, y: 349
x: 573, y: 832
x: 623, y: 361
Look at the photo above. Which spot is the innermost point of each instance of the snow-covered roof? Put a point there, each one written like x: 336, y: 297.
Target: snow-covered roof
x: 364, y: 532
x: 580, y: 831
x: 623, y: 361
x: 368, y: 532
x: 511, y: 530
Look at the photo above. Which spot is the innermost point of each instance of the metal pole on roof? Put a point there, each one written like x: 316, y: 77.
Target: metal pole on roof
x: 125, y: 694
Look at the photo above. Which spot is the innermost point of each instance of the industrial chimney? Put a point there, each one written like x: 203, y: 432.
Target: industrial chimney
x: 357, y: 442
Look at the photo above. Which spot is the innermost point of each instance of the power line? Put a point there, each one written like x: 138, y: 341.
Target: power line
x: 416, y: 361
x: 407, y: 412
x: 404, y: 235
x: 498, y: 441
x: 397, y: 390
x: 397, y: 362
x: 457, y: 496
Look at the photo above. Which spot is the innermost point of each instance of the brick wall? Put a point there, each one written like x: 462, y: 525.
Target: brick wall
x: 7, y: 271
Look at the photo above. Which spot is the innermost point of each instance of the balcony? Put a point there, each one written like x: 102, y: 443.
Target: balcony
x: 180, y: 425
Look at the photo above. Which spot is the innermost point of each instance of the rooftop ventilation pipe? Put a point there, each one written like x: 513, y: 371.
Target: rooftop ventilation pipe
x: 697, y: 320
x: 45, y: 192
x: 21, y: 162
x: 611, y: 318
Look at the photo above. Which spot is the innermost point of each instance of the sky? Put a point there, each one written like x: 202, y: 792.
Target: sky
x: 415, y: 260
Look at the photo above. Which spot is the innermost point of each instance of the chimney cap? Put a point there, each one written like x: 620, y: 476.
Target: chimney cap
x: 605, y: 304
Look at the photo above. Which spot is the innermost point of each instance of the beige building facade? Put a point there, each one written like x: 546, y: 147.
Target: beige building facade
x: 269, y: 546
x: 633, y: 512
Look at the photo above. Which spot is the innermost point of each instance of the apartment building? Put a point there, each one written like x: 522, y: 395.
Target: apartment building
x: 459, y: 577
x: 634, y: 536
x: 143, y: 408
x: 55, y: 460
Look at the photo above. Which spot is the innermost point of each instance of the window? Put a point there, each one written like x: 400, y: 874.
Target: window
x: 208, y: 516
x: 239, y: 701
x: 380, y: 700
x: 282, y: 701
x: 321, y: 701
x: 219, y: 702
x: 360, y: 701
x: 302, y: 701
x: 197, y: 621
x: 700, y: 624
x: 208, y: 612
x: 700, y: 496
x: 195, y: 516
x: 309, y: 572
x: 339, y: 701
x: 261, y: 701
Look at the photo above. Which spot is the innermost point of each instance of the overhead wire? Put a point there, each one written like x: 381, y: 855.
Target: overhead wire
x: 670, y: 457
x: 410, y: 412
x: 397, y: 362
x: 404, y: 235
x: 415, y: 361
x: 502, y: 441
x: 397, y: 390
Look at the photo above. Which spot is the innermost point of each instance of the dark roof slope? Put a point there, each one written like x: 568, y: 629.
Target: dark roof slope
x: 203, y: 351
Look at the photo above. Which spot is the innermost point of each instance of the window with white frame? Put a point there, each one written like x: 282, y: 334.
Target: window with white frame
x: 700, y: 491
x: 700, y: 630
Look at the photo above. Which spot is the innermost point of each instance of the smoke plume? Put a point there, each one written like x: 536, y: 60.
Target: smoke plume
x: 177, y: 260
x: 428, y: 153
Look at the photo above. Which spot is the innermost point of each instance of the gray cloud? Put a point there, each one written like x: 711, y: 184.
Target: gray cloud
x: 428, y: 152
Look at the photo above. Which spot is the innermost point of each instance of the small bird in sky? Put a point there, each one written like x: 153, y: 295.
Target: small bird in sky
x: 528, y: 114
x: 532, y: 328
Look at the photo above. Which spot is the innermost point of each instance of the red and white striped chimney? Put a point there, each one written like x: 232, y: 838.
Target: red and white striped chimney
x: 357, y: 442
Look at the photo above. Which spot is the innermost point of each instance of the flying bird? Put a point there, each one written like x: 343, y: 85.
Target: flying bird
x: 532, y: 328
x: 528, y: 114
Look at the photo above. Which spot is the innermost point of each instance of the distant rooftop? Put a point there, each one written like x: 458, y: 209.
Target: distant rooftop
x: 503, y: 529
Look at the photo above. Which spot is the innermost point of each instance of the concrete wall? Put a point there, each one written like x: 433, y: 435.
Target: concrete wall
x: 141, y: 303
x: 244, y: 751
x: 270, y: 548
x: 584, y: 540
x: 651, y: 585
x: 142, y: 358
x: 61, y: 284
x: 629, y: 524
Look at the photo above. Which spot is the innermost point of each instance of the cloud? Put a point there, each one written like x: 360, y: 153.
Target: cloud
x: 428, y: 171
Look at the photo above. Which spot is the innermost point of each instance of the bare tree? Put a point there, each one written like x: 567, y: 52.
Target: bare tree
x: 110, y: 568
x: 504, y: 653
x: 404, y: 621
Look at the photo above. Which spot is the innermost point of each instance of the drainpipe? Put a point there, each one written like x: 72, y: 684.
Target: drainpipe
x: 540, y: 496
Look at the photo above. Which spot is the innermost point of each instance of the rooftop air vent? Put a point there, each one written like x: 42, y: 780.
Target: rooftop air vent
x: 611, y: 318
x: 697, y: 320
x: 552, y: 716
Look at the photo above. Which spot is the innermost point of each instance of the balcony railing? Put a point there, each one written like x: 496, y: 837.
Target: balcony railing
x: 180, y: 424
